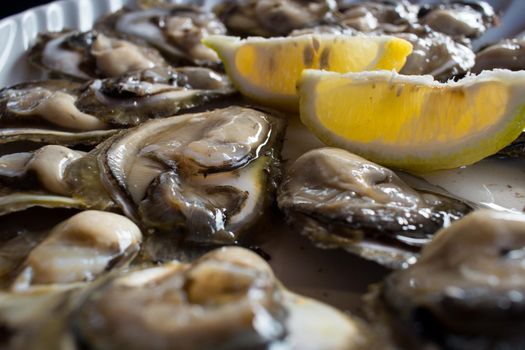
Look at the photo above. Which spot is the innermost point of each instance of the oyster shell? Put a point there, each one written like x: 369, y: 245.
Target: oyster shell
x: 340, y: 200
x: 207, y: 175
x: 89, y: 55
x: 506, y: 54
x: 62, y: 112
x: 272, y: 17
x: 175, y: 30
x: 454, y: 298
x: 228, y: 299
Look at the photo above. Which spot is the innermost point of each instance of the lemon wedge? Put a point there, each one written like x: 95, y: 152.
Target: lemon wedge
x: 267, y: 70
x: 413, y: 122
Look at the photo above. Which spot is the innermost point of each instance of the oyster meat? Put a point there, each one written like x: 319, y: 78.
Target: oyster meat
x: 272, y: 17
x: 506, y: 54
x: 76, y: 250
x: 227, y: 299
x: 456, y: 297
x: 175, y: 30
x: 62, y: 112
x: 436, y: 54
x: 382, y: 16
x: 208, y: 175
x: 37, y: 178
x: 89, y: 55
x: 340, y: 200
x: 460, y: 19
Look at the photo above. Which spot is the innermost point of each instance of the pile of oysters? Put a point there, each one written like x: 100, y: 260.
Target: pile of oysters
x: 134, y: 183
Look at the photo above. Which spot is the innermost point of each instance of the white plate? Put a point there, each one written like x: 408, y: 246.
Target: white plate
x: 333, y: 276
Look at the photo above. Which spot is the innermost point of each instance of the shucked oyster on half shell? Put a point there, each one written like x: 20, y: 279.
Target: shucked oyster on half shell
x: 340, y: 200
x: 58, y: 271
x: 467, y: 291
x: 206, y: 177
x: 90, y: 55
x: 272, y: 17
x: 63, y: 112
x: 175, y: 30
x: 38, y: 178
x: 227, y: 299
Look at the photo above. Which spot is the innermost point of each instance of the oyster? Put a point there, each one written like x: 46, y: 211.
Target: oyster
x: 272, y: 17
x: 58, y: 111
x: 89, y: 55
x: 227, y: 299
x: 507, y: 54
x: 459, y: 19
x: 382, y: 16
x: 436, y: 54
x: 207, y: 175
x: 37, y: 178
x: 175, y: 30
x: 77, y: 250
x: 454, y: 298
x: 338, y: 199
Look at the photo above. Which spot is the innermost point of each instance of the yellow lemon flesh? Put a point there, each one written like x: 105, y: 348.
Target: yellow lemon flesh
x: 267, y: 70
x: 413, y: 122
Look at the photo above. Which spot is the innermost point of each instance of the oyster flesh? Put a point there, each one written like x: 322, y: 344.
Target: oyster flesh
x: 207, y: 175
x: 272, y: 17
x: 227, y: 299
x: 53, y: 177
x: 89, y: 55
x: 62, y: 112
x: 507, y: 54
x: 377, y: 16
x: 340, y: 200
x: 76, y: 250
x: 175, y: 30
x: 460, y: 19
x: 436, y: 54
x: 467, y: 290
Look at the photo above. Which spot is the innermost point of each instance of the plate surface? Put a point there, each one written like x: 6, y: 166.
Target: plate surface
x: 333, y: 276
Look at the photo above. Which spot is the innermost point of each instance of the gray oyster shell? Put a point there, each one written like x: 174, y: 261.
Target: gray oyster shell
x: 340, y: 200
x: 457, y: 298
x: 272, y: 17
x: 89, y: 55
x: 175, y: 30
x: 62, y: 112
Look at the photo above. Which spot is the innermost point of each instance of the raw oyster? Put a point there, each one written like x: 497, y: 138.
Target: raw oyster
x: 37, y: 178
x: 338, y: 199
x: 382, y: 16
x: 507, y: 54
x: 206, y: 175
x: 272, y: 17
x: 89, y: 55
x: 175, y: 30
x: 456, y: 298
x: 154, y: 93
x: 228, y: 299
x: 459, y: 19
x: 78, y: 250
x: 58, y: 111
x: 436, y: 54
